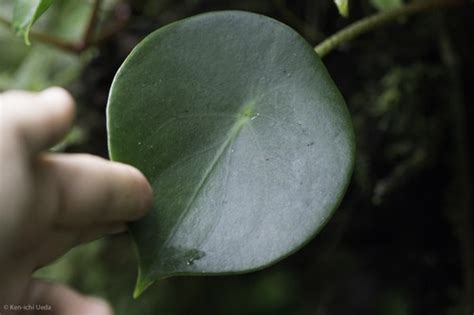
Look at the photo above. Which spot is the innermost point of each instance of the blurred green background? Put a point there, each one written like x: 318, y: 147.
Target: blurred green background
x: 402, y: 241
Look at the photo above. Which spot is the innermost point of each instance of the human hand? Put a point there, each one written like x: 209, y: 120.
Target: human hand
x: 51, y: 202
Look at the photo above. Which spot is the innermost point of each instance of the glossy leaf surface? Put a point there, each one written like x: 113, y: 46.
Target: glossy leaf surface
x: 25, y: 13
x: 246, y: 140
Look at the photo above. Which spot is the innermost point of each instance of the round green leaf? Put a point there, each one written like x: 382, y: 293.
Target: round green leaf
x: 243, y: 135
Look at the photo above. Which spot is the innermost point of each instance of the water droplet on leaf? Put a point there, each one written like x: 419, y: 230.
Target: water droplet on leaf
x: 256, y: 115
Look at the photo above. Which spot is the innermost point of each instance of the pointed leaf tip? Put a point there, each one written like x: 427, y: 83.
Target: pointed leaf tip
x: 246, y: 139
x: 25, y: 14
x: 343, y: 7
x: 141, y: 286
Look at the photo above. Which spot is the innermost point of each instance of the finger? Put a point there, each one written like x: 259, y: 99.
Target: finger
x: 93, y: 190
x: 60, y: 241
x: 65, y: 301
x: 39, y: 120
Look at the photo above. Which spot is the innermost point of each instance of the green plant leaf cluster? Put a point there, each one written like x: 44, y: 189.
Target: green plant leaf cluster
x: 245, y: 138
x: 25, y: 13
x: 39, y: 66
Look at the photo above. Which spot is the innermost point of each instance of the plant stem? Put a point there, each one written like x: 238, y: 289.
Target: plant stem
x: 50, y: 40
x: 374, y: 21
x: 91, y: 27
x: 122, y: 14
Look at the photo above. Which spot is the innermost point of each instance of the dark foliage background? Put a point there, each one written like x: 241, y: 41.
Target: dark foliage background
x: 402, y: 241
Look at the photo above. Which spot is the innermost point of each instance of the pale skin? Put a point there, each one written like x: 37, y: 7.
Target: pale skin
x: 51, y: 202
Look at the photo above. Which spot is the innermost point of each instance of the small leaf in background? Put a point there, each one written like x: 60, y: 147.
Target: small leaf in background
x: 247, y: 143
x: 343, y: 7
x: 39, y: 66
x: 383, y: 5
x: 25, y: 13
x: 76, y: 135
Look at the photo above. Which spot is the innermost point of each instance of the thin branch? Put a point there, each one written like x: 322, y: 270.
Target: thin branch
x: 91, y: 27
x: 122, y: 15
x: 50, y: 40
x: 374, y: 21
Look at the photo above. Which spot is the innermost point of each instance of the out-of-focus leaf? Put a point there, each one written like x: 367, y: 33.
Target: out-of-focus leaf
x: 39, y: 66
x: 25, y: 13
x: 64, y: 269
x: 69, y: 19
x: 245, y: 138
x: 45, y: 66
x: 12, y: 50
x: 76, y: 135
x: 383, y: 5
x: 343, y: 7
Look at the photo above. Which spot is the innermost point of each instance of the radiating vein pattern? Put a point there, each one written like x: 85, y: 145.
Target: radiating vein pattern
x: 247, y: 143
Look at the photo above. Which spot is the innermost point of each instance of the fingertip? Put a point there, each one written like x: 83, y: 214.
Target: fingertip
x: 61, y: 100
x: 144, y: 189
x: 57, y: 92
x: 102, y: 191
x: 96, y: 306
x: 38, y: 120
